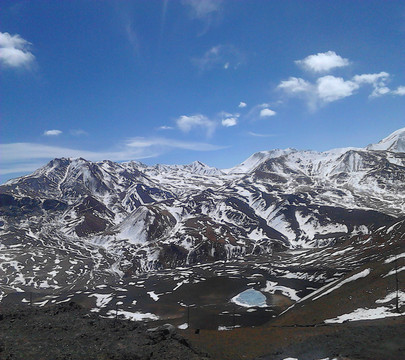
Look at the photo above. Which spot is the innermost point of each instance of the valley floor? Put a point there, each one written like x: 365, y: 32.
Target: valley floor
x: 308, y: 292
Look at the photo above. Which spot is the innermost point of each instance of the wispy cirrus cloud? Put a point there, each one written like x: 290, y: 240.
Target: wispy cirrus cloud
x: 15, y: 51
x: 78, y: 132
x: 142, y: 143
x: 201, y: 9
x: 206, y: 11
x: 165, y: 127
x: 132, y: 37
x: 252, y: 133
x: 26, y: 157
x: 220, y: 56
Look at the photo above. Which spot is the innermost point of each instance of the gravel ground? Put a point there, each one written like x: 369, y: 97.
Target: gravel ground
x: 362, y: 340
x: 377, y: 340
x: 69, y: 332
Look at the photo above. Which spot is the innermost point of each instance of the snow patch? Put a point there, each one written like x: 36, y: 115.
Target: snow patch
x: 102, y: 299
x: 364, y: 314
x: 272, y: 287
x: 153, y: 295
x: 354, y: 277
x: 134, y: 316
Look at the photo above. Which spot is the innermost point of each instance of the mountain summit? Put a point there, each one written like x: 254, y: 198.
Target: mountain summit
x: 394, y: 142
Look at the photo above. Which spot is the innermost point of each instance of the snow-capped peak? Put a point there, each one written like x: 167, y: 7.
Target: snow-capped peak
x: 256, y: 159
x: 394, y: 142
x: 200, y: 168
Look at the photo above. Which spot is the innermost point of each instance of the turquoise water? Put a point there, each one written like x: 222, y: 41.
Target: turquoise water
x: 250, y: 298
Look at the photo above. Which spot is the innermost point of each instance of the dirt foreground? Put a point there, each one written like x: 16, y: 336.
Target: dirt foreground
x: 372, y: 339
x: 69, y: 332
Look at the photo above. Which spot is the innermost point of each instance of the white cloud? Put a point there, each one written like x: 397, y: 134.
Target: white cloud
x: 229, y: 122
x: 260, y: 111
x: 165, y: 127
x: 371, y: 78
x: 323, y: 62
x: 330, y: 88
x: 52, y: 132
x: 326, y: 89
x: 14, y: 51
x: 399, y: 91
x: 242, y: 104
x: 379, y: 91
x: 295, y: 85
x: 220, y: 56
x: 377, y: 80
x: 267, y: 112
x: 187, y: 123
x: 228, y: 119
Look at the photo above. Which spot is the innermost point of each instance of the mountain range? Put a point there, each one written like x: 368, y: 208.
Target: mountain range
x: 137, y: 217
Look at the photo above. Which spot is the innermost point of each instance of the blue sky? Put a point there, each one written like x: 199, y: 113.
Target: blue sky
x: 178, y: 81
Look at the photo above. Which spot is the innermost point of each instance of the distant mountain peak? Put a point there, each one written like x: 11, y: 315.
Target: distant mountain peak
x: 394, y: 142
x: 258, y: 158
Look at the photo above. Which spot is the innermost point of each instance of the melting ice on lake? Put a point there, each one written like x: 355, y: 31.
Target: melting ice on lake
x: 250, y: 298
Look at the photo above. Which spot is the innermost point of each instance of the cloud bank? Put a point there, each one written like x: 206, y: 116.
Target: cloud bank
x: 26, y: 157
